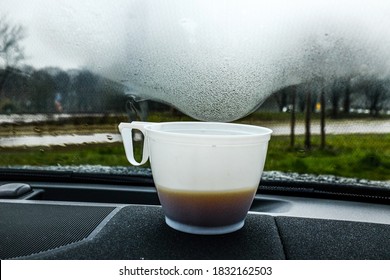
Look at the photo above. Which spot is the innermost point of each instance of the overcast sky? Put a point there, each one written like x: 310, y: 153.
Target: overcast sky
x: 57, y: 29
x: 76, y: 33
x: 211, y: 53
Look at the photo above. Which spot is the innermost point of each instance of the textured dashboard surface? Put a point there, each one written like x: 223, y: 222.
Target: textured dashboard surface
x: 139, y: 232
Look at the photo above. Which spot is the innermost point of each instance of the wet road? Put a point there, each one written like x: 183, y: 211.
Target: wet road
x: 335, y: 127
x: 58, y: 140
x: 338, y: 127
x: 31, y: 118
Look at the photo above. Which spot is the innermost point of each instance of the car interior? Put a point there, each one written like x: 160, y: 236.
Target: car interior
x: 70, y: 215
x: 213, y: 62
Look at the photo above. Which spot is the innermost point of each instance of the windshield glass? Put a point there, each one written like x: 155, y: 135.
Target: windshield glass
x: 315, y: 72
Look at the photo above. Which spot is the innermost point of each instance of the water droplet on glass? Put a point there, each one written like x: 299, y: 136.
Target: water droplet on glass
x: 219, y: 60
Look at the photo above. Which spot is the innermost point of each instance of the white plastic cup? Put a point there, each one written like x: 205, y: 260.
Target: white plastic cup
x: 206, y: 173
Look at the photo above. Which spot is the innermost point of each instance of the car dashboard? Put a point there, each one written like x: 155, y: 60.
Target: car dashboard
x: 74, y: 218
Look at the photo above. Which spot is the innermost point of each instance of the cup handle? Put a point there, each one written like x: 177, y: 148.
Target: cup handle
x: 126, y: 131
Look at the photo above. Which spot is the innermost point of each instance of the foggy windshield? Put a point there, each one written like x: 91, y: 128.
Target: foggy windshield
x: 315, y: 72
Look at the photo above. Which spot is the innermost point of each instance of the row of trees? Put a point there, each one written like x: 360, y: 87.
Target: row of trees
x: 342, y: 96
x: 52, y: 90
x: 339, y: 97
x: 28, y: 90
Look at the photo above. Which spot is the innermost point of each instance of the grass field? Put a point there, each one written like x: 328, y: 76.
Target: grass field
x: 354, y: 155
x: 360, y: 156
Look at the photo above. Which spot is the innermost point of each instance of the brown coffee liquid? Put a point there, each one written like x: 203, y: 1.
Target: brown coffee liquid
x: 206, y: 208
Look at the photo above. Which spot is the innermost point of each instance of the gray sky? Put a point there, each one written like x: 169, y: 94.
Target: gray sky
x: 204, y: 56
x: 58, y: 31
x: 72, y: 33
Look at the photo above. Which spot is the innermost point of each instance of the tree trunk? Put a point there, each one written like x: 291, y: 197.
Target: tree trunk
x: 335, y: 104
x: 347, y: 99
x: 308, y: 121
x: 281, y: 99
x: 323, y: 109
x: 292, y: 135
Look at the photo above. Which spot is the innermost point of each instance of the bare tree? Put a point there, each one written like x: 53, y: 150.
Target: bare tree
x: 317, y: 59
x: 376, y: 93
x: 11, y: 52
